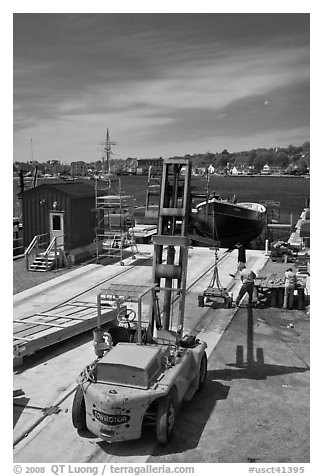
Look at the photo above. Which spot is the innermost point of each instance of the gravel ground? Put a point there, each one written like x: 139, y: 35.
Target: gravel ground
x: 23, y: 279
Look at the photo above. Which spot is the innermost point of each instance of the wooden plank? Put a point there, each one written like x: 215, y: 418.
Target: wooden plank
x: 29, y: 328
x: 53, y: 336
x: 81, y: 304
x: 68, y: 311
x: 65, y: 313
x: 22, y: 338
x: 20, y: 321
x: 61, y: 316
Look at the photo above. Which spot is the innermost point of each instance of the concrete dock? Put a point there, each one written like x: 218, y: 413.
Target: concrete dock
x: 239, y: 401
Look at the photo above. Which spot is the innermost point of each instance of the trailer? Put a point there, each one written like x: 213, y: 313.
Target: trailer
x: 215, y: 291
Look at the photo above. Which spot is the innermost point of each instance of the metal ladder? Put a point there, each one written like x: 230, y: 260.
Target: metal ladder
x: 172, y: 229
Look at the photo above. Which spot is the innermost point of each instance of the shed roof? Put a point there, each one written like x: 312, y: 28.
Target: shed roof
x: 70, y: 187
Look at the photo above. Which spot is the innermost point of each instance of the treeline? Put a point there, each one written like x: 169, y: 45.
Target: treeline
x: 289, y: 158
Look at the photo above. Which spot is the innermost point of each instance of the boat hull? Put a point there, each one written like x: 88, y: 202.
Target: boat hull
x: 218, y: 222
x: 226, y: 223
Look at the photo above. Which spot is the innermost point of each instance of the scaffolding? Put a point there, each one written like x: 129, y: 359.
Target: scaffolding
x: 115, y: 224
x: 272, y: 211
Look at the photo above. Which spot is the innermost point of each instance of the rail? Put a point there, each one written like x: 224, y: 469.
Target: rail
x: 54, y: 246
x: 33, y: 248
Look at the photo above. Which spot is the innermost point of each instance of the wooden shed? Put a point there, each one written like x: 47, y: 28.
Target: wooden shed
x: 61, y: 209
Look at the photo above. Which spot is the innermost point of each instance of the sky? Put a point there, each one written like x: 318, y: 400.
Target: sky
x: 164, y: 84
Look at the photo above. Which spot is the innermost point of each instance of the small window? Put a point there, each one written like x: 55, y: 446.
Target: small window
x: 56, y: 222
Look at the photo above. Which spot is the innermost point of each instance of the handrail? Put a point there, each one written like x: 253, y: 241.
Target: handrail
x: 35, y: 239
x: 52, y: 244
x: 32, y: 245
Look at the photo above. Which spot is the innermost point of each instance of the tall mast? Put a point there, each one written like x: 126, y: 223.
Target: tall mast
x: 108, y: 152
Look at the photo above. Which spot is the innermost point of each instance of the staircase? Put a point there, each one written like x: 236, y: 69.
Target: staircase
x: 41, y: 256
x: 43, y: 263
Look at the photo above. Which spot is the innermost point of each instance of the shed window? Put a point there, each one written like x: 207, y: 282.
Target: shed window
x: 56, y: 222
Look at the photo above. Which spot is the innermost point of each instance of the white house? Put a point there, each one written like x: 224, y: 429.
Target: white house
x: 265, y: 170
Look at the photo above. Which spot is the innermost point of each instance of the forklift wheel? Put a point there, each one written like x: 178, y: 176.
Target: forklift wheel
x: 78, y: 410
x: 203, y: 371
x: 165, y: 418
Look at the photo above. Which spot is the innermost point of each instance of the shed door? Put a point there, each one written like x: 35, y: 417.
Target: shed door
x: 56, y: 227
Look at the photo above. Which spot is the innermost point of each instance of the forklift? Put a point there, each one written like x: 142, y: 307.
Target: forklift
x: 144, y: 368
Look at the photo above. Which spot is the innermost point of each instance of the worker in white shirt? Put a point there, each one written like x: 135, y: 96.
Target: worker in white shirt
x: 247, y: 277
x: 290, y: 284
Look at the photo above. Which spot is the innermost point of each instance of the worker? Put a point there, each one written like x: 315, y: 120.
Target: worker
x: 247, y: 277
x: 290, y: 283
x: 241, y: 258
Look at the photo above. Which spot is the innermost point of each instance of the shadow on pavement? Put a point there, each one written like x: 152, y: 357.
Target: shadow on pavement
x: 191, y: 420
x: 193, y: 417
x: 253, y: 369
x: 19, y: 404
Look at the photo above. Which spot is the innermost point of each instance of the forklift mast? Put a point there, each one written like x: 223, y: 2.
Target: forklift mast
x: 172, y: 231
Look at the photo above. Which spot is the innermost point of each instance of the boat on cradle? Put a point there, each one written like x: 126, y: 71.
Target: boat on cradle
x: 226, y: 223
x: 217, y: 222
x: 214, y: 221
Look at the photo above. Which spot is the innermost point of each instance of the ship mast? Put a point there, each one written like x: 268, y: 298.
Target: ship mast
x: 108, y: 152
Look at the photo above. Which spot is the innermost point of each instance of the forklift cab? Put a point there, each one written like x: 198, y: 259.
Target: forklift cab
x: 133, y: 304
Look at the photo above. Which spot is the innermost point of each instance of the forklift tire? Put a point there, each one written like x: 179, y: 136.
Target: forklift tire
x: 203, y: 371
x: 78, y: 410
x: 165, y: 418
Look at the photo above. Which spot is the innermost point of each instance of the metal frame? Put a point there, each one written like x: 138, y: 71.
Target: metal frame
x: 173, y: 221
x: 120, y: 235
x: 121, y: 293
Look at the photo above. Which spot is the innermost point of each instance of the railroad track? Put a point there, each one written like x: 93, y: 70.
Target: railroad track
x: 72, y: 316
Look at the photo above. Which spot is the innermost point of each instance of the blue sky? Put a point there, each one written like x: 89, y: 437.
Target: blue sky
x: 164, y: 84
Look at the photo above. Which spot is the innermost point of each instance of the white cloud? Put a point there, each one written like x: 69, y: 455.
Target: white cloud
x: 205, y: 85
x: 135, y: 108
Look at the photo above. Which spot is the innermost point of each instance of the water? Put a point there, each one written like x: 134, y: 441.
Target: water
x: 291, y: 192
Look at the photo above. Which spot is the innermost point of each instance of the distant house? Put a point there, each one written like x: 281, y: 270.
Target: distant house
x: 222, y: 170
x: 237, y: 171
x: 142, y: 165
x: 266, y: 170
x: 79, y: 168
x: 199, y: 171
x: 250, y: 170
